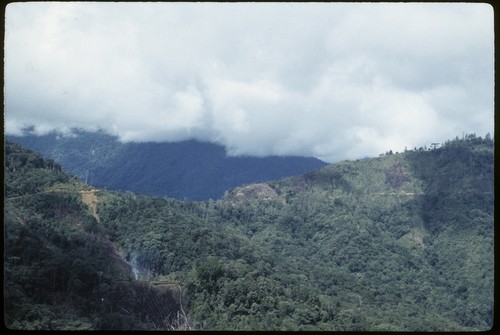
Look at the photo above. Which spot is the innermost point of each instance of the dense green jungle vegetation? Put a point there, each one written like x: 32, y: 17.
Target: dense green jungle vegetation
x: 401, y: 242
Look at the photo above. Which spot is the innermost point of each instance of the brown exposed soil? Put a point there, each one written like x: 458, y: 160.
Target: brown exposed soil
x: 89, y: 198
x: 396, y: 176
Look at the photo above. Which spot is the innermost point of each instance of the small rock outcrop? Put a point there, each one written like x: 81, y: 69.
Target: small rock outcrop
x: 261, y: 191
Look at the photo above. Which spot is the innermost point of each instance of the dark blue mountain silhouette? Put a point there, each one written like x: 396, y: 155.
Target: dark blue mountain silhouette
x: 188, y: 169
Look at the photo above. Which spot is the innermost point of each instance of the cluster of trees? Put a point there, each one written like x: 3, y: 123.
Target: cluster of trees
x: 60, y: 272
x: 372, y: 244
x: 402, y: 242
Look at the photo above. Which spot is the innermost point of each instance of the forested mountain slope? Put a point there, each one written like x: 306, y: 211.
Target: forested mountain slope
x: 61, y: 271
x: 399, y: 242
x: 188, y: 169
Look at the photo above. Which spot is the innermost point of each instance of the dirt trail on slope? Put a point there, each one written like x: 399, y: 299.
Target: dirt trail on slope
x: 89, y: 198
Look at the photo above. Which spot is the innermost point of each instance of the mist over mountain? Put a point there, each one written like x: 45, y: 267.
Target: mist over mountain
x: 188, y: 169
x: 159, y: 170
x: 401, y: 242
x: 329, y: 80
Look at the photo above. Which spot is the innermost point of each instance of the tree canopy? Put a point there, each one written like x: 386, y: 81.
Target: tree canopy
x: 401, y: 242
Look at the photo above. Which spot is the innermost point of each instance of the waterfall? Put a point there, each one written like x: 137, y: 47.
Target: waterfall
x: 135, y: 271
x: 133, y: 264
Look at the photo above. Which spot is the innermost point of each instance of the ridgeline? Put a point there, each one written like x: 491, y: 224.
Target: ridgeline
x: 401, y: 242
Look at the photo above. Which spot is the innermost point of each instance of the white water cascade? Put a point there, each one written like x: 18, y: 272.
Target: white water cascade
x: 133, y: 264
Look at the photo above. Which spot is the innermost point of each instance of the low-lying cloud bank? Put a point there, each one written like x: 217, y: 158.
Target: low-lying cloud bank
x: 332, y: 81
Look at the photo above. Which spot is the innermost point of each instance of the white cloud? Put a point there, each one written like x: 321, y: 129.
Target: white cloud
x: 329, y: 80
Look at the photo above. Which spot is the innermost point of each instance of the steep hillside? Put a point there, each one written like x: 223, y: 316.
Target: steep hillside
x: 61, y: 271
x: 410, y: 234
x: 402, y: 242
x: 189, y: 169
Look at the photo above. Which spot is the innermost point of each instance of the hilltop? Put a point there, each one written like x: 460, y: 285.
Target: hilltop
x: 401, y: 242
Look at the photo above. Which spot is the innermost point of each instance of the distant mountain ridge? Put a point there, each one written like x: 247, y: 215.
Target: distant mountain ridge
x: 187, y: 169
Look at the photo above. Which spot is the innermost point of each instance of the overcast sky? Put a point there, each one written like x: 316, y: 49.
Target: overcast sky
x: 333, y: 81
